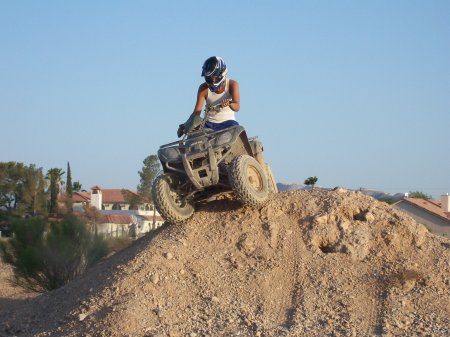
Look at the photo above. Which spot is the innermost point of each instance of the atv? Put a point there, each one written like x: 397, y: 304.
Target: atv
x: 207, y: 165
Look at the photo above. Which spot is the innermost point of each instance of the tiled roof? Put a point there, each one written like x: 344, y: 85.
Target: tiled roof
x: 109, y: 196
x: 150, y: 217
x: 428, y: 205
x: 81, y: 196
x: 116, y: 218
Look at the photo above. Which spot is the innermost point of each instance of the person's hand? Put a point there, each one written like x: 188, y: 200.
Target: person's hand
x: 225, y: 103
x: 180, y: 130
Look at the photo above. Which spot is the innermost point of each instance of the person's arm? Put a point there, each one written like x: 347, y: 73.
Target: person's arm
x: 235, y: 103
x: 201, y: 97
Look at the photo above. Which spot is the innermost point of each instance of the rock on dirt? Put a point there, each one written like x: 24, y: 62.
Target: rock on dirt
x: 308, y: 263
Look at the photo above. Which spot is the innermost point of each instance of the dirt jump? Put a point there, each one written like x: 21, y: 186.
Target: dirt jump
x: 308, y: 263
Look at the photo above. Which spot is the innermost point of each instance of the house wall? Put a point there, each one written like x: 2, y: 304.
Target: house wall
x: 113, y: 230
x: 130, y: 212
x: 117, y: 207
x: 125, y: 209
x: 96, y: 199
x: 145, y: 207
x: 445, y: 200
x: 147, y: 226
x: 78, y: 207
x: 117, y: 230
x: 435, y: 224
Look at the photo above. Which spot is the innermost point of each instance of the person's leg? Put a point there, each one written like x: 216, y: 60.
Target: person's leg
x: 228, y: 124
x: 220, y: 126
x: 211, y: 126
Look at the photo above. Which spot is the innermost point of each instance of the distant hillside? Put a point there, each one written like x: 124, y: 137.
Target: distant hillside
x: 382, y: 195
x: 290, y: 187
x: 282, y: 187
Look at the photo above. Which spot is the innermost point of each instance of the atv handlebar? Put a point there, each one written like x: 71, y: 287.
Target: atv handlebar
x: 216, y: 107
x: 211, y: 109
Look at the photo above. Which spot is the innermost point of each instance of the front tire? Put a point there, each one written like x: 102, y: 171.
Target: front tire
x: 248, y: 181
x: 168, y: 202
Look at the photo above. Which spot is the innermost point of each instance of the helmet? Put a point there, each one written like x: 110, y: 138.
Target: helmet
x: 214, y: 70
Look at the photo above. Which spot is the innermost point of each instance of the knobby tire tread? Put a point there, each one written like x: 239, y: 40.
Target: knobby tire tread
x: 238, y: 180
x: 163, y: 203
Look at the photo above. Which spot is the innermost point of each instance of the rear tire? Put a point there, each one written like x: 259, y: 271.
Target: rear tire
x: 248, y: 181
x: 168, y: 202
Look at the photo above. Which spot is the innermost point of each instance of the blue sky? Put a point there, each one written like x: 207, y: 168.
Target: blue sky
x: 356, y: 93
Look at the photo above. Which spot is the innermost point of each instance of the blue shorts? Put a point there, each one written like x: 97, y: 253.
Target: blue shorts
x: 220, y: 126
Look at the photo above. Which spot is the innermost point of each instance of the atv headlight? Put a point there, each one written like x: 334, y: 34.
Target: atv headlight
x: 224, y: 138
x: 169, y: 154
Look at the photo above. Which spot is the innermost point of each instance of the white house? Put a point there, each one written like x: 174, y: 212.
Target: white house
x: 117, y: 218
x: 434, y: 214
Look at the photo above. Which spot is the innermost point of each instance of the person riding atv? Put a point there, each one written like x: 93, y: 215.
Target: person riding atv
x: 215, y: 159
x: 216, y: 89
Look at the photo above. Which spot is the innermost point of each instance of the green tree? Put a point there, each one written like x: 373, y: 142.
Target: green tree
x: 69, y: 181
x: 22, y: 188
x: 76, y: 186
x: 91, y: 216
x: 148, y: 174
x: 33, y: 199
x: 311, y: 181
x: 387, y: 199
x: 11, y: 178
x: 54, y: 175
x: 132, y: 198
x: 420, y: 195
x: 46, y: 256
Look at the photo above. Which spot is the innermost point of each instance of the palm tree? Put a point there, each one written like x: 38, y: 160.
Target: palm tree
x: 76, y: 186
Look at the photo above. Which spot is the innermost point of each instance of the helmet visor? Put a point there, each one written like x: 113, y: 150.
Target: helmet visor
x: 213, y: 79
x: 209, y: 68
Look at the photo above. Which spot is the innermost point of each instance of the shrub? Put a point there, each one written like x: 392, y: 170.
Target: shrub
x: 311, y: 181
x: 387, y: 199
x: 420, y: 195
x: 46, y: 256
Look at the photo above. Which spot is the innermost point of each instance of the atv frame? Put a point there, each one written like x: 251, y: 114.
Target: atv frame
x: 205, y: 166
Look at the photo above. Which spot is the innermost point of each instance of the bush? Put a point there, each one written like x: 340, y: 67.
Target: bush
x: 311, y: 181
x: 420, y: 195
x: 46, y: 256
x: 387, y: 199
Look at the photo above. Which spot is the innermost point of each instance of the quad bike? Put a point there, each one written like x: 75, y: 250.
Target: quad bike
x: 208, y: 165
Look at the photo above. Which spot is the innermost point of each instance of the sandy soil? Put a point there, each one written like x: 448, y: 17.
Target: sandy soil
x: 308, y: 263
x: 8, y: 291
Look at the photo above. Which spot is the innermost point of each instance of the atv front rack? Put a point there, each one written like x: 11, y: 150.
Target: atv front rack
x: 199, y: 155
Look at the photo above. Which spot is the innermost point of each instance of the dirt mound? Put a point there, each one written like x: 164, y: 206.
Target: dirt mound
x: 9, y: 292
x: 307, y: 264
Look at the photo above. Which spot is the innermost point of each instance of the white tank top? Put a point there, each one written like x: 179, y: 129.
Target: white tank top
x: 225, y: 114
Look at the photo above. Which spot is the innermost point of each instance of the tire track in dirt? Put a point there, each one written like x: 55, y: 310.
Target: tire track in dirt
x: 373, y: 325
x: 380, y: 305
x: 295, y: 292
